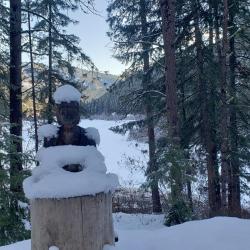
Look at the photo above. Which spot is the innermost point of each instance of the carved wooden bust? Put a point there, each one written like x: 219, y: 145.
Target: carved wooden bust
x: 68, y: 117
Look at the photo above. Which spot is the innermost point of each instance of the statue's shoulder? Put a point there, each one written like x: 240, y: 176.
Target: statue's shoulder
x: 89, y: 136
x: 48, y: 133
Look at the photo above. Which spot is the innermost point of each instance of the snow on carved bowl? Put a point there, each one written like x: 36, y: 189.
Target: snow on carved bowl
x: 50, y: 180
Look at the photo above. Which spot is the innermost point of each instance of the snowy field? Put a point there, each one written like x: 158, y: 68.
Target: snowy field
x: 146, y: 232
x: 115, y: 148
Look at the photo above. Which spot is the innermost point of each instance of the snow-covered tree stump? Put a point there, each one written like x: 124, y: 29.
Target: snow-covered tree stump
x: 71, y: 211
x: 79, y: 223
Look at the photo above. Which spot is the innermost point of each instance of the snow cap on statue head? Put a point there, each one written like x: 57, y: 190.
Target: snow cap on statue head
x: 67, y: 99
x: 67, y: 93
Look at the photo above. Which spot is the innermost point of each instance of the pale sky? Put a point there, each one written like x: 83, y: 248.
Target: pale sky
x: 94, y: 41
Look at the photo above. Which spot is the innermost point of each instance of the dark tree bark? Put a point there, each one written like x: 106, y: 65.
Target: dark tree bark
x: 212, y: 147
x: 168, y: 18
x: 185, y: 140
x: 32, y: 81
x: 15, y: 96
x: 206, y: 120
x: 234, y: 204
x: 152, y: 169
x: 224, y: 109
x: 185, y: 145
x: 168, y: 29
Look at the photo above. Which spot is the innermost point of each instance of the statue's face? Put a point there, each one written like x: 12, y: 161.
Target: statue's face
x: 68, y: 113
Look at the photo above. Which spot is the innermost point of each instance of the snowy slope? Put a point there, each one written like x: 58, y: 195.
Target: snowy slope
x: 213, y: 234
x: 146, y: 232
x: 116, y: 148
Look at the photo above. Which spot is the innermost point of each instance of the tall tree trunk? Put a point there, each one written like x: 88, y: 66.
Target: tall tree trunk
x: 185, y: 146
x: 15, y: 96
x: 206, y: 121
x: 168, y: 29
x: 168, y: 18
x: 152, y: 169
x: 212, y: 158
x: 185, y: 140
x: 32, y: 81
x: 224, y: 109
x: 234, y: 204
x: 50, y: 89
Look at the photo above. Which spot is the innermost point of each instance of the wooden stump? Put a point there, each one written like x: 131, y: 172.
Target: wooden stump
x: 79, y: 223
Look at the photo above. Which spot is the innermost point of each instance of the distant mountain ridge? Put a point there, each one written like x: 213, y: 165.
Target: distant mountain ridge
x: 93, y: 84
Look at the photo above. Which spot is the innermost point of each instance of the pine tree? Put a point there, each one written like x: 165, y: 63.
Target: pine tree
x: 134, y: 38
x: 208, y: 64
x: 207, y: 121
x: 52, y: 42
x: 234, y: 204
x: 32, y: 78
x: 238, y: 90
x: 15, y: 94
x: 168, y: 10
x: 12, y: 173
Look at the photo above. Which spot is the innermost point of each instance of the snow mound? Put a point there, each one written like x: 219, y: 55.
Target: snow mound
x: 67, y: 93
x: 138, y: 221
x: 47, y: 131
x: 50, y: 180
x: 53, y: 248
x: 219, y: 233
x: 109, y: 247
x: 93, y: 133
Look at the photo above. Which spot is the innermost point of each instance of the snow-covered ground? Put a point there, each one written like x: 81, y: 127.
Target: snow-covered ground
x: 115, y: 148
x: 146, y: 232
